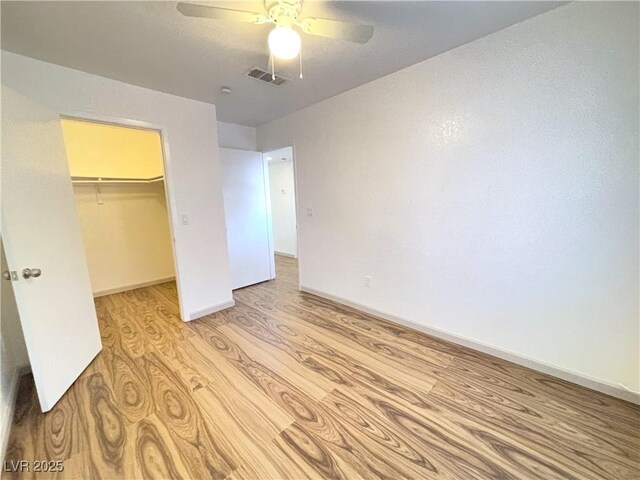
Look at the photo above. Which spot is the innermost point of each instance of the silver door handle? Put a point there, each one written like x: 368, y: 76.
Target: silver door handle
x: 31, y: 272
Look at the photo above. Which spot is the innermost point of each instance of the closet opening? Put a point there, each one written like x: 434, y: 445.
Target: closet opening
x: 284, y: 224
x: 118, y: 178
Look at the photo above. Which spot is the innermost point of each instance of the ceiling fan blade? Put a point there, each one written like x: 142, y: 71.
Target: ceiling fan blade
x: 335, y: 29
x: 218, y: 13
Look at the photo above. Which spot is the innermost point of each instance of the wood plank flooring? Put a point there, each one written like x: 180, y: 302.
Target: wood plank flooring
x: 287, y: 385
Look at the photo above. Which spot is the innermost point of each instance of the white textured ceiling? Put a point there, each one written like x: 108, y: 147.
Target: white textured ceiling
x: 150, y: 44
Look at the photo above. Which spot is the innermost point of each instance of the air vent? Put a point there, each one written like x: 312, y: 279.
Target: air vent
x: 259, y: 74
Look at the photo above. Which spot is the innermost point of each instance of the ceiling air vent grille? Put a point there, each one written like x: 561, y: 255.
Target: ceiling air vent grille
x: 259, y: 74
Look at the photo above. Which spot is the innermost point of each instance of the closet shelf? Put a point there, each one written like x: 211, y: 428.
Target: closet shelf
x: 112, y: 180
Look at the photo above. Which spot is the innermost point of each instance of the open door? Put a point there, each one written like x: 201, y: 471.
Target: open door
x: 246, y: 210
x: 41, y: 233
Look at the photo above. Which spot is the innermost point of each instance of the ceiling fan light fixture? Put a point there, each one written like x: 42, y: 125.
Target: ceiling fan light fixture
x: 284, y: 43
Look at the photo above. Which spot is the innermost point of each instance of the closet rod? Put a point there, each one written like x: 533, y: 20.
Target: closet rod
x: 112, y: 180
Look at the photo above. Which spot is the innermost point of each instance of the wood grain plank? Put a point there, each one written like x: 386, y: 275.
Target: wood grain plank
x: 313, y: 384
x: 550, y: 438
x: 314, y: 352
x: 105, y: 428
x: 357, y: 348
x: 206, y: 455
x: 237, y: 402
x: 157, y: 455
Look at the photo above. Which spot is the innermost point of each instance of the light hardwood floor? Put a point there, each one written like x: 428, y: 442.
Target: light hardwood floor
x: 288, y: 385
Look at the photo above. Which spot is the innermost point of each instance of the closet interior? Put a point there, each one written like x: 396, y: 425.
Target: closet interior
x: 117, y: 174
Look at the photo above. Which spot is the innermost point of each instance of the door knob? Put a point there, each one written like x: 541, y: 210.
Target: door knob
x: 31, y: 272
x: 10, y: 275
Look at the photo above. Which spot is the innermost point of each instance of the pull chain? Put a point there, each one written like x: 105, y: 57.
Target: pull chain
x: 273, y: 66
x: 300, y: 57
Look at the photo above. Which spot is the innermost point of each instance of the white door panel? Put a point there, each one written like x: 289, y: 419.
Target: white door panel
x: 246, y: 209
x: 41, y: 230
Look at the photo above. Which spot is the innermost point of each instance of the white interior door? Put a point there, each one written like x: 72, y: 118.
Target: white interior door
x: 246, y: 207
x: 41, y: 230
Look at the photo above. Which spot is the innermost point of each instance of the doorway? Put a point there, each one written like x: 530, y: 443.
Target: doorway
x: 282, y: 187
x: 118, y: 174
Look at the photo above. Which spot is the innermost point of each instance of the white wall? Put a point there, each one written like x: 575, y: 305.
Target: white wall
x: 127, y: 239
x: 111, y: 151
x: 283, y: 207
x: 491, y: 192
x: 189, y: 128
x: 231, y: 135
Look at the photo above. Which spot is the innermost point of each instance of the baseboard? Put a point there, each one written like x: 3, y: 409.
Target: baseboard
x: 8, y: 421
x: 210, y: 310
x: 110, y: 291
x: 282, y: 254
x: 570, y: 376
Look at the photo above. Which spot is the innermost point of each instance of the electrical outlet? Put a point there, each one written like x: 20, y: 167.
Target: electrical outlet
x: 367, y: 281
x: 310, y: 212
x: 184, y: 219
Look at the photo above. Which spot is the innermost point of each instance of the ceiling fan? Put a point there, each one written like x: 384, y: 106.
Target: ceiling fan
x: 284, y: 40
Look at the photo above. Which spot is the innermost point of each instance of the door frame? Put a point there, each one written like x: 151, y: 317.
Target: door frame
x: 296, y: 199
x: 267, y: 202
x: 172, y: 210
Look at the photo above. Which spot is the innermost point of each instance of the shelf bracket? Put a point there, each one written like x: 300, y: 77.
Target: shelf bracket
x: 98, y: 194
